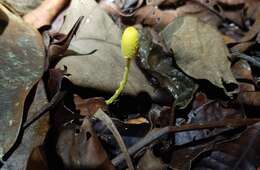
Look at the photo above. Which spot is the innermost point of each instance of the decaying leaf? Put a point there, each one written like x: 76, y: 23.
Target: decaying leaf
x: 241, y: 153
x: 164, y: 74
x: 37, y: 160
x: 251, y: 98
x: 103, y: 69
x: 200, y: 52
x: 21, y: 60
x: 88, y: 107
x: 183, y: 157
x: 255, y: 27
x: 205, y: 110
x: 150, y: 162
x: 37, y: 132
x: 79, y: 148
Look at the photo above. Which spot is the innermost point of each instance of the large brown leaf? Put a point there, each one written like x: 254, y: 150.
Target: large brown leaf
x: 200, y: 52
x: 21, y: 60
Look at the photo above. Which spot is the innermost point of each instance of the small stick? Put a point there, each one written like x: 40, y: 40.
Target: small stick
x: 236, y: 53
x: 109, y: 123
x: 49, y: 106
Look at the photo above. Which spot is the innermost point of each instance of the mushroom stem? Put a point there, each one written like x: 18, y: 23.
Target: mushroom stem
x: 122, y: 83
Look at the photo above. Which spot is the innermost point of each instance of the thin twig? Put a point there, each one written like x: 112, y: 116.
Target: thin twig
x: 49, y: 106
x: 109, y: 123
x: 249, y: 59
x: 246, y: 150
x: 170, y: 129
x: 237, y: 54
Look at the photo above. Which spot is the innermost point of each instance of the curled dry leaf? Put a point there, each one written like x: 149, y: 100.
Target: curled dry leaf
x: 88, y: 107
x: 200, y: 52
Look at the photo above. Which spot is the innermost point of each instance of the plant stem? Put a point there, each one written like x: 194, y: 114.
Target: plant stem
x: 122, y: 83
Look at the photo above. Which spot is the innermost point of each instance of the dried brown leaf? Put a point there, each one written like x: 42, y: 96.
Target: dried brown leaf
x: 37, y: 160
x: 45, y: 13
x: 200, y: 52
x: 150, y: 162
x: 79, y: 147
x: 136, y: 121
x: 88, y: 107
x: 153, y: 16
x: 242, y: 70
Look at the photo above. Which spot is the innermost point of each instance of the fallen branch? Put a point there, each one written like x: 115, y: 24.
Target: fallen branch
x: 188, y: 127
x: 109, y: 123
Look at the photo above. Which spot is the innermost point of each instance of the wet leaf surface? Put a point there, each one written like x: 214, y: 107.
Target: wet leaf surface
x: 196, y: 58
x: 21, y: 47
x: 162, y: 72
x: 37, y: 132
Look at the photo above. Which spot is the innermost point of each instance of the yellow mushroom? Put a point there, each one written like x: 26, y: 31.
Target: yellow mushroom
x: 129, y: 48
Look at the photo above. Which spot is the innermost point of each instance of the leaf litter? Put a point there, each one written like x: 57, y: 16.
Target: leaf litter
x: 191, y: 101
